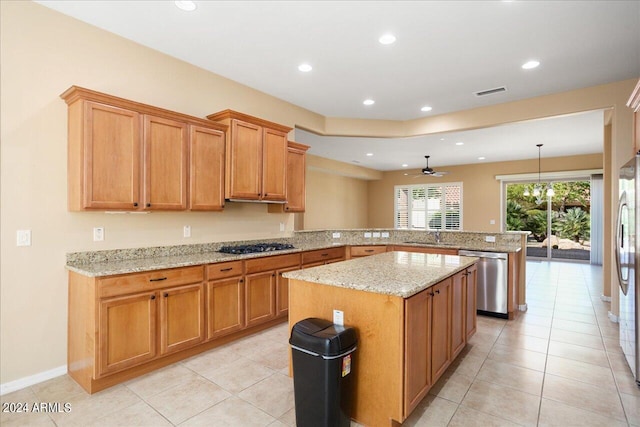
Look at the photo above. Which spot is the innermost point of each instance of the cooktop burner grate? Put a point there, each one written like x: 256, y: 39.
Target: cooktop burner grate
x: 258, y: 247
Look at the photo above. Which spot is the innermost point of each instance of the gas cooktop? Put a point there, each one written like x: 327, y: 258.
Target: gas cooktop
x: 258, y: 247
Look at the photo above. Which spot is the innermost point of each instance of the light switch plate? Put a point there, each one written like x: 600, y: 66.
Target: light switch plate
x: 385, y: 234
x: 186, y: 231
x: 376, y: 234
x: 367, y: 235
x: 490, y: 239
x: 23, y: 238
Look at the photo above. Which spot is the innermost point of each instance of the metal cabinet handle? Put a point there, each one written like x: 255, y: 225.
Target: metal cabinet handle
x: 325, y: 254
x: 226, y: 269
x: 160, y: 279
x: 438, y: 291
x: 369, y: 250
x: 153, y: 297
x: 148, y: 205
x: 135, y: 205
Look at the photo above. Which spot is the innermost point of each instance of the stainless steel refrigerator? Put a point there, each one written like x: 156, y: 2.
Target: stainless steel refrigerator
x: 628, y: 262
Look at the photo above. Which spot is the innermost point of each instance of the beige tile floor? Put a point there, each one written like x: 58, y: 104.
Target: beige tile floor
x: 557, y: 364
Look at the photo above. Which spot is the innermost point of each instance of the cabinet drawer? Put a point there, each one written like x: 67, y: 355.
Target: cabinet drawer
x: 357, y: 251
x: 322, y: 255
x: 427, y: 250
x: 223, y: 270
x: 141, y: 282
x: 272, y: 263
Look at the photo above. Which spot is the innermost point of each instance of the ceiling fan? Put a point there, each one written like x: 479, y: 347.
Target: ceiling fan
x: 427, y: 171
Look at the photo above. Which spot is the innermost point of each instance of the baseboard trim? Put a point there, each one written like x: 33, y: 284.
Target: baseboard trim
x: 605, y: 298
x: 522, y: 307
x: 613, y: 317
x: 25, y: 382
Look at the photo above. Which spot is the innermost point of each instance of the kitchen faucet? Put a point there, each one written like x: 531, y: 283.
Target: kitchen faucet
x: 436, y: 234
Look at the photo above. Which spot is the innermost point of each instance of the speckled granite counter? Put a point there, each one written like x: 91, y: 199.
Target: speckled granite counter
x: 123, y: 261
x: 400, y: 274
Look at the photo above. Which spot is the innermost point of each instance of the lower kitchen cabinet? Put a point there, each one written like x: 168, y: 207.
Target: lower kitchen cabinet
x: 127, y: 332
x: 417, y: 373
x: 282, y: 292
x: 181, y: 318
x: 360, y: 251
x: 440, y: 328
x: 225, y: 306
x: 471, y: 300
x: 458, y: 312
x: 260, y: 290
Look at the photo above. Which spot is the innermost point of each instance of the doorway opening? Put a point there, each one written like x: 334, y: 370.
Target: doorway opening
x: 559, y: 221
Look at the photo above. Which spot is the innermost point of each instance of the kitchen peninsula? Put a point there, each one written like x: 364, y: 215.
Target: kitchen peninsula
x: 413, y: 313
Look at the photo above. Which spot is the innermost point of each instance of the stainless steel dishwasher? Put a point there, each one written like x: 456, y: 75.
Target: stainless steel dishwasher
x: 492, y: 282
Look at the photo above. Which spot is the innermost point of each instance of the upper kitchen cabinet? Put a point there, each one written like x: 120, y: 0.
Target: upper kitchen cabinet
x: 256, y: 160
x: 123, y: 155
x: 296, y: 184
x: 634, y: 104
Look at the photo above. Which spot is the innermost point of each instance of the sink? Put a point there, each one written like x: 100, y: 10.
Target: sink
x: 430, y: 243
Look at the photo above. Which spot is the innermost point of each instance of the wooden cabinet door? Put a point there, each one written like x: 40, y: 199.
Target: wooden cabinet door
x: 296, y: 180
x: 181, y: 318
x: 127, y: 332
x: 458, y: 311
x: 259, y: 291
x: 111, y: 162
x: 165, y: 164
x: 282, y: 292
x: 225, y: 306
x: 274, y: 165
x: 471, y: 300
x: 245, y: 161
x: 206, y: 183
x: 441, y: 328
x: 417, y: 380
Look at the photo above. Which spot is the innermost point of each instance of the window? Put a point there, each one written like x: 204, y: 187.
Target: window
x: 423, y: 206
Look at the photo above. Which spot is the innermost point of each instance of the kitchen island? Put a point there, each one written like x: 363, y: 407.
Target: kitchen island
x: 413, y: 313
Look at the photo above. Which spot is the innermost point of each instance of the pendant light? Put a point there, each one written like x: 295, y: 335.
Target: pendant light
x: 537, y: 189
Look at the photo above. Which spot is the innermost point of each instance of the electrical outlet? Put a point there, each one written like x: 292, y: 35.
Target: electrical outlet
x: 282, y: 226
x: 367, y: 235
x: 335, y: 235
x: 376, y: 234
x: 385, y: 234
x: 492, y: 222
x: 186, y: 231
x: 338, y: 317
x: 490, y: 239
x: 98, y: 234
x: 23, y: 238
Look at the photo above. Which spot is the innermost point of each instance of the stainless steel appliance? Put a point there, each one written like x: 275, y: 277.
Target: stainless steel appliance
x: 255, y: 247
x: 627, y: 262
x: 492, y: 282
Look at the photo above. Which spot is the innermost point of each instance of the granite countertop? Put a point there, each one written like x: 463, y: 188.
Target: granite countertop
x: 109, y: 263
x: 400, y: 274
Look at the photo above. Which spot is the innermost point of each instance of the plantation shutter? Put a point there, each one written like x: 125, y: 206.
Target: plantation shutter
x: 402, y: 207
x: 428, y: 207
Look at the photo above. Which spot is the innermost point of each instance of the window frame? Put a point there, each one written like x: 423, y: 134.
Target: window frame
x: 443, y: 205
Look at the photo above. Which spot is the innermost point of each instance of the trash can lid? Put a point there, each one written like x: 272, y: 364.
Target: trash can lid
x: 322, y: 337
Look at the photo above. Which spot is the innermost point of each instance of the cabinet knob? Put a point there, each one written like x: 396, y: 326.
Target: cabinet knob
x: 148, y: 205
x: 438, y: 291
x: 166, y: 295
x: 153, y: 297
x: 135, y: 205
x: 241, y: 280
x: 286, y: 208
x: 273, y: 275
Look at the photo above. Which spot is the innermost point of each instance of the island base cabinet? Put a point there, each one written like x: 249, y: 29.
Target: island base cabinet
x: 417, y: 373
x: 127, y: 332
x: 440, y: 328
x: 471, y: 301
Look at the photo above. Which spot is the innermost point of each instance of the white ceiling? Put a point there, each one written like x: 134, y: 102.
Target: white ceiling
x: 445, y: 51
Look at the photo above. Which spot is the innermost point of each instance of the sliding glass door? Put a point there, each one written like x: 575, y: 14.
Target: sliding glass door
x: 557, y: 214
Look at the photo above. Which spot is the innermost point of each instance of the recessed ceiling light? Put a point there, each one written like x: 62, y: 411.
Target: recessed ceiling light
x: 481, y: 158
x: 387, y: 39
x: 530, y: 65
x: 368, y: 102
x: 441, y: 139
x: 426, y: 108
x: 406, y: 174
x: 305, y: 68
x: 186, y: 5
x: 459, y: 143
x: 369, y: 154
x: 404, y: 165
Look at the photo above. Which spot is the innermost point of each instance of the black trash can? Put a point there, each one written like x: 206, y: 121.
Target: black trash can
x: 322, y: 355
